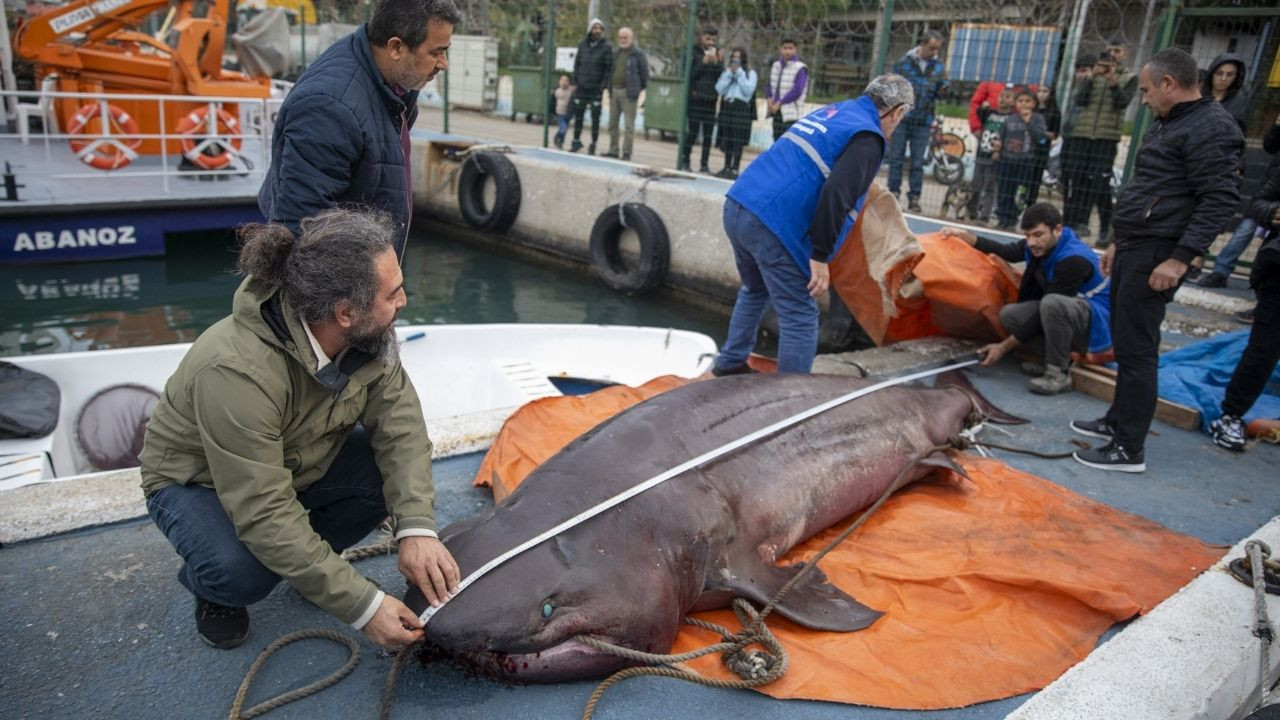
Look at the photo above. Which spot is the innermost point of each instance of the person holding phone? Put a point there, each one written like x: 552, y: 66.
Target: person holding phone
x: 737, y: 90
x: 1099, y: 107
x: 707, y: 62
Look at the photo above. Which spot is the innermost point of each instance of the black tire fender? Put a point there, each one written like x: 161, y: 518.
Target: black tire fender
x: 477, y: 168
x: 649, y: 270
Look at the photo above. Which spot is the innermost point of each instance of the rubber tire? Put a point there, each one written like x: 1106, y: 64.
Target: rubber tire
x: 655, y: 250
x: 506, y: 201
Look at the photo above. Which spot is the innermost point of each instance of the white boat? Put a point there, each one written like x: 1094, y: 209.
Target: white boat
x: 469, y: 378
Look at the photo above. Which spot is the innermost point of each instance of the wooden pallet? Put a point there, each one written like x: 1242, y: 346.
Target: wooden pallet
x: 1100, y: 382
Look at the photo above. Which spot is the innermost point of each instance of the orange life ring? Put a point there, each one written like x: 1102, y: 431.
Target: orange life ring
x: 210, y: 148
x: 112, y: 147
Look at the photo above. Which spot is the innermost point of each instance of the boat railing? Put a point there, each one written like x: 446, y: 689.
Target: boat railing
x: 253, y: 128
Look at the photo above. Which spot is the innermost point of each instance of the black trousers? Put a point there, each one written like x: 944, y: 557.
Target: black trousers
x: 1088, y: 182
x: 1263, y: 351
x: 1136, y: 314
x: 702, y: 122
x: 579, y: 105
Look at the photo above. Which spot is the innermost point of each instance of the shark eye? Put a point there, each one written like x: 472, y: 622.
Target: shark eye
x: 547, y: 609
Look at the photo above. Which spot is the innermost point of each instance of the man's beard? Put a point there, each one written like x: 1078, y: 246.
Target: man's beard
x: 381, y: 343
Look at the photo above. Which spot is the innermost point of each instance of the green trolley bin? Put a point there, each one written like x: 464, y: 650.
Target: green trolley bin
x: 528, y: 92
x: 663, y: 105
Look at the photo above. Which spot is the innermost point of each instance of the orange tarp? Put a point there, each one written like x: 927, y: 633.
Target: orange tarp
x: 991, y: 586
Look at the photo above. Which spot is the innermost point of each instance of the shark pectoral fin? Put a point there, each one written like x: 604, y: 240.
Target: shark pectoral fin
x: 943, y: 460
x: 812, y: 601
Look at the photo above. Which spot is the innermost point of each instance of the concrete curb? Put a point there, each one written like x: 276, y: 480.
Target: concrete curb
x: 1192, y: 658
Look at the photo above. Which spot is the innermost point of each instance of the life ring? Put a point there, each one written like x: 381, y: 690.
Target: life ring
x: 210, y: 148
x: 111, y: 148
x: 644, y: 272
x: 476, y: 169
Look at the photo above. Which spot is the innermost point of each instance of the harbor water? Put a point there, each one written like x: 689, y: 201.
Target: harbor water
x: 449, y: 278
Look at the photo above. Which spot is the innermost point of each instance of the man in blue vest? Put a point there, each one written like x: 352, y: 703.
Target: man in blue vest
x: 789, y: 211
x: 1064, y: 301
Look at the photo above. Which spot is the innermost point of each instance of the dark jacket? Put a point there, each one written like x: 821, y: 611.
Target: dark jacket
x: 637, y: 72
x: 702, y: 86
x: 337, y: 140
x: 1263, y: 210
x: 1185, y: 185
x: 592, y: 66
x: 1099, y: 106
x: 929, y: 85
x: 1237, y: 101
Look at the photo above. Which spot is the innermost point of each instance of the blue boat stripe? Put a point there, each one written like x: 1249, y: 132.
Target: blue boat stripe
x: 810, y: 151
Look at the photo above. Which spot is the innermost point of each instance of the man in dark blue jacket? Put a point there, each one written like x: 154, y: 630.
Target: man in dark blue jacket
x: 922, y: 67
x: 342, y: 135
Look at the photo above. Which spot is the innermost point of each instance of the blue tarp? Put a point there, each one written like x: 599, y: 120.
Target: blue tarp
x: 1197, y: 376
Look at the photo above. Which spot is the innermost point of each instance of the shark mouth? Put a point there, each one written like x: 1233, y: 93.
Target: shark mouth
x: 569, y: 660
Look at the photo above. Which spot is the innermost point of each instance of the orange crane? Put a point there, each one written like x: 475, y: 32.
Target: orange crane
x: 94, y: 46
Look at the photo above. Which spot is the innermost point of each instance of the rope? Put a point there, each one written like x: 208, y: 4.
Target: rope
x: 298, y: 694
x: 1035, y: 453
x: 636, y: 192
x: 755, y: 668
x: 389, y: 687
x: 1258, y: 551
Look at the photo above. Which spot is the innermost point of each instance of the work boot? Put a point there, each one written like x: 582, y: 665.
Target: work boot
x: 591, y: 150
x: 575, y: 146
x: 1054, y: 380
x: 1212, y: 280
x: 1032, y: 369
x: 913, y: 204
x: 221, y: 626
x: 725, y: 173
x: 1111, y: 457
x: 1228, y: 432
x: 1099, y: 428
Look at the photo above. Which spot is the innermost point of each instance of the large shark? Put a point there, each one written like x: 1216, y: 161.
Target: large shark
x: 629, y: 575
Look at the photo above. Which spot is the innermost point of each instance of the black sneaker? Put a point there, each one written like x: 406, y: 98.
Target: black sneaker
x: 1212, y: 280
x: 221, y: 626
x: 1111, y: 457
x: 913, y: 204
x: 1228, y: 432
x: 1245, y: 316
x: 705, y: 169
x: 743, y: 369
x: 610, y: 154
x: 1193, y: 274
x: 575, y: 146
x: 1099, y: 428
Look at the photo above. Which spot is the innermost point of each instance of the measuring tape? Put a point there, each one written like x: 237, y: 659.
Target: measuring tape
x: 685, y: 467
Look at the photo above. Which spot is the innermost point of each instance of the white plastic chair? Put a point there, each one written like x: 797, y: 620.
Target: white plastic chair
x: 40, y: 108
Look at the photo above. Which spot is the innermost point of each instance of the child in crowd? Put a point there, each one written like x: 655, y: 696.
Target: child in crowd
x: 984, y: 165
x: 1021, y: 136
x: 563, y: 94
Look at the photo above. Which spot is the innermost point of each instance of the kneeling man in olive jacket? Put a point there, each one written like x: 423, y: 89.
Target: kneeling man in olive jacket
x: 290, y: 431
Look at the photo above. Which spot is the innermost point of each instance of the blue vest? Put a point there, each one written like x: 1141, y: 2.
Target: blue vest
x: 781, y: 186
x: 1096, y: 291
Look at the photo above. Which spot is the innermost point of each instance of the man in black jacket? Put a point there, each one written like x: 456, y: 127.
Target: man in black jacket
x: 1183, y: 192
x: 342, y: 135
x: 706, y: 62
x: 591, y: 70
x: 1263, y: 351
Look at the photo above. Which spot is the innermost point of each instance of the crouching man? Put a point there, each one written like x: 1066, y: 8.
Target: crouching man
x: 290, y: 431
x: 1063, y: 302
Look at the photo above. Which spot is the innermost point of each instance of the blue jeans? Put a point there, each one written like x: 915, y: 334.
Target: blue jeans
x: 344, y: 506
x: 562, y: 127
x: 769, y: 274
x: 918, y: 136
x: 1235, y: 247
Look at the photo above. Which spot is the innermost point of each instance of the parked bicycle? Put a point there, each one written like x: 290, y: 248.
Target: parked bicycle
x: 946, y: 153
